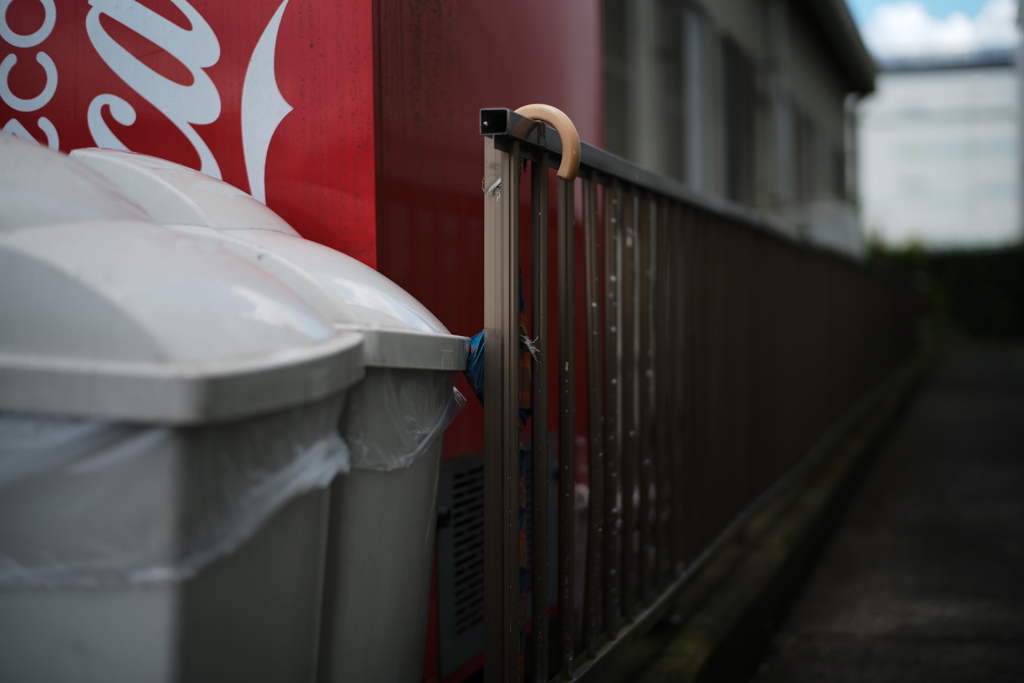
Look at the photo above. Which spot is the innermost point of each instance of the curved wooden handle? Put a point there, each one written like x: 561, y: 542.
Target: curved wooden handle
x: 557, y: 119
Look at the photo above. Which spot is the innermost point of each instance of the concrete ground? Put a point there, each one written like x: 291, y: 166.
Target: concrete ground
x: 924, y: 578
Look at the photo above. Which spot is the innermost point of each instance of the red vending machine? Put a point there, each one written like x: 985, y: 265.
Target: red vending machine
x: 357, y: 122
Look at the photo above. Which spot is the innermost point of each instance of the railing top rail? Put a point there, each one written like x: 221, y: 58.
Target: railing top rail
x: 506, y: 125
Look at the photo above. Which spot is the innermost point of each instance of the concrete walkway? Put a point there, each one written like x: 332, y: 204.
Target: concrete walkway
x: 924, y: 579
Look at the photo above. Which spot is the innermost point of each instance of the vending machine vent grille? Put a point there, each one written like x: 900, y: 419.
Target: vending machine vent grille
x: 460, y: 562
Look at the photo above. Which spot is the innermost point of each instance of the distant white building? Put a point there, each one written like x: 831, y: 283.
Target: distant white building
x: 939, y: 153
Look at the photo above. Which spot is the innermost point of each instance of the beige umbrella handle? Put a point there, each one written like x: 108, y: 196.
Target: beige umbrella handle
x: 570, y: 165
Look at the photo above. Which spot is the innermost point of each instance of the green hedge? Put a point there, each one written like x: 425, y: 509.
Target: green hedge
x: 980, y: 292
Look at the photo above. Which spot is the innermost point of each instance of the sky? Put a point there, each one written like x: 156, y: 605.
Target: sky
x: 912, y: 28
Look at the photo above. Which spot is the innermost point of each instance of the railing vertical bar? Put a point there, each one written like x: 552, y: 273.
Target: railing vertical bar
x: 595, y: 419
x: 668, y: 359
x: 646, y: 377
x: 662, y: 386
x: 676, y: 400
x: 658, y: 484
x: 613, y: 385
x: 501, y: 459
x: 703, y: 356
x: 566, y: 427
x: 629, y: 416
x: 539, y: 306
x: 697, y: 403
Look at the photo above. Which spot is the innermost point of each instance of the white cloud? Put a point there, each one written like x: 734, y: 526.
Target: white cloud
x: 905, y: 29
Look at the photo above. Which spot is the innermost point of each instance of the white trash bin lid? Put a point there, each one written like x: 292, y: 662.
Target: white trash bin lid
x: 131, y: 321
x: 399, y: 331
x: 39, y: 186
x: 176, y: 195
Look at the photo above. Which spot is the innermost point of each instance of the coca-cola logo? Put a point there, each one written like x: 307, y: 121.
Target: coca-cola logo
x: 26, y: 43
x: 273, y: 96
x: 195, y: 48
x: 113, y: 27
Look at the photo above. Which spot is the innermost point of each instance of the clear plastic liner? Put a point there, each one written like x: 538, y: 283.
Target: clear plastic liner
x: 394, y: 415
x: 91, y: 503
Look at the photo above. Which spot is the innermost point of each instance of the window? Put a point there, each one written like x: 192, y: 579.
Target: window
x: 655, y: 84
x: 740, y: 102
x: 806, y: 156
x: 838, y: 173
x: 695, y: 86
x: 667, y: 96
x: 616, y: 78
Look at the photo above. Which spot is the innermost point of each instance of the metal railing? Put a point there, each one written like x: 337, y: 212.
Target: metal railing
x: 716, y: 351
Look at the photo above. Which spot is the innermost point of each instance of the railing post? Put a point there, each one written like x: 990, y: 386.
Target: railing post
x: 645, y: 371
x: 676, y: 317
x: 629, y: 311
x: 539, y: 267
x: 613, y: 405
x: 595, y: 419
x: 501, y: 428
x: 662, y: 383
x: 566, y: 425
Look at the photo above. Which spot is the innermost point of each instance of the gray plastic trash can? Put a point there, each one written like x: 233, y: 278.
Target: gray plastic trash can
x: 383, y: 512
x: 168, y: 432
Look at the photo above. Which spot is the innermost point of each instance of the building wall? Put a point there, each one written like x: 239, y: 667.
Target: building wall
x: 939, y: 157
x: 766, y: 126
x: 818, y: 90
